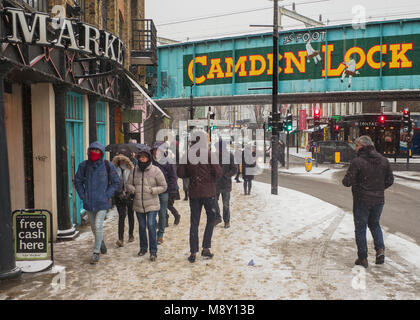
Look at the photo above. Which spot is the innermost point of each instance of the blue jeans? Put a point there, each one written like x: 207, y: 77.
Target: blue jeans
x: 226, y: 208
x: 149, y: 219
x: 96, y: 223
x: 367, y: 215
x: 163, y: 199
x: 196, y: 205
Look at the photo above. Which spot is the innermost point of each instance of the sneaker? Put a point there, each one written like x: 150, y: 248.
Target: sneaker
x: 120, y: 243
x: 177, y: 218
x: 227, y: 225
x: 191, y: 258
x: 95, y: 258
x: 159, y: 240
x: 153, y: 257
x: 362, y: 262
x: 142, y: 252
x: 380, y: 256
x: 206, y: 253
x: 131, y: 238
x: 217, y: 221
x: 103, y: 247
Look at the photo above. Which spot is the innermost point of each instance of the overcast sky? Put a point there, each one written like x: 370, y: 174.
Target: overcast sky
x: 189, y: 20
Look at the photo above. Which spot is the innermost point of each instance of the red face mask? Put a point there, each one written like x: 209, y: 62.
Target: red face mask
x: 93, y: 156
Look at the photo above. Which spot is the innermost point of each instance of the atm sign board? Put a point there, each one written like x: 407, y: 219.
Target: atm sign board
x: 32, y: 232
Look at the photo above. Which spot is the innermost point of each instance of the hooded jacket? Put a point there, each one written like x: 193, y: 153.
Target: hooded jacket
x: 146, y: 186
x: 95, y: 188
x: 122, y: 173
x: 202, y: 178
x: 369, y: 174
x: 169, y: 171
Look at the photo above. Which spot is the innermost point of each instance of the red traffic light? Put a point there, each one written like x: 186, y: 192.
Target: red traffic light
x: 382, y: 119
x: 316, y: 111
x: 405, y: 111
x: 337, y: 128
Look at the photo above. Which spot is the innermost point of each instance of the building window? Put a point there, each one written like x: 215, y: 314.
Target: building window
x: 38, y: 5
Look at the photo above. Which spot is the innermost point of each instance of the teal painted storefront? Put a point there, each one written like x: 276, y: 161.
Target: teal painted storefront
x: 387, y: 55
x: 75, y: 149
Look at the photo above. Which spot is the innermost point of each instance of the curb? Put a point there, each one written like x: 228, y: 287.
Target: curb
x: 298, y: 173
x: 406, y: 178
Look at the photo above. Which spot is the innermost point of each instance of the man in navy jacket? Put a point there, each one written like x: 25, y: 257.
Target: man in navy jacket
x: 96, y: 182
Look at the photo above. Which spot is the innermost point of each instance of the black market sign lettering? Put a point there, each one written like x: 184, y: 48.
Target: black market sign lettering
x: 395, y: 56
x: 32, y: 233
x: 78, y: 36
x: 305, y: 36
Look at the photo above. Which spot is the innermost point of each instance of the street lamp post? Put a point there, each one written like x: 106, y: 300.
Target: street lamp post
x: 274, y: 136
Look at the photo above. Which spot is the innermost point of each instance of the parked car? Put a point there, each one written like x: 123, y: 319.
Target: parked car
x: 324, y: 151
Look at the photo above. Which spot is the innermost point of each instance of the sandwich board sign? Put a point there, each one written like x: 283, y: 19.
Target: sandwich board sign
x: 32, y: 232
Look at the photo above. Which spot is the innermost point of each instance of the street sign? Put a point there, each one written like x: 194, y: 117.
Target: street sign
x: 32, y: 231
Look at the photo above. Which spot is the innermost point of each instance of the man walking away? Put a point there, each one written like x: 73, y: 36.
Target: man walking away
x: 96, y: 182
x: 224, y: 184
x: 202, y: 192
x: 369, y: 174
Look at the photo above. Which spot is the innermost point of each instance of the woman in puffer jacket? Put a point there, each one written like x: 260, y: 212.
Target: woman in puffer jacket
x: 123, y: 199
x: 146, y: 182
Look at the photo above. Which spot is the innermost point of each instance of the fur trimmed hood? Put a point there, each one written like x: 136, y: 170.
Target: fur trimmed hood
x: 121, y: 157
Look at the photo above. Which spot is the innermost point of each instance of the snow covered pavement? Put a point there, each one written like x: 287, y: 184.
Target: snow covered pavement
x: 289, y: 246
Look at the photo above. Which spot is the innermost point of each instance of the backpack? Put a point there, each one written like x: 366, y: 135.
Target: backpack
x: 108, y: 170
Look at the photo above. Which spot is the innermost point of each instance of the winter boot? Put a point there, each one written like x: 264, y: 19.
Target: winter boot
x: 217, y: 221
x: 95, y: 258
x: 131, y: 238
x: 177, y: 218
x: 142, y: 252
x: 380, y: 256
x: 362, y: 262
x: 191, y: 258
x: 227, y: 225
x: 167, y: 220
x: 159, y: 240
x: 103, y: 247
x: 153, y: 256
x: 120, y: 243
x: 206, y: 253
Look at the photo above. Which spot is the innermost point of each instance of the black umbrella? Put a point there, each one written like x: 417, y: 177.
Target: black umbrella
x: 123, y: 148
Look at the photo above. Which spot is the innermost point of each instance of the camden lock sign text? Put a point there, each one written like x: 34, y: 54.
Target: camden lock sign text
x: 78, y: 36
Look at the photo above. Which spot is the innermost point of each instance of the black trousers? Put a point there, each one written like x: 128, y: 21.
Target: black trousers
x: 247, y: 186
x: 171, y: 207
x: 125, y: 208
x: 196, y: 205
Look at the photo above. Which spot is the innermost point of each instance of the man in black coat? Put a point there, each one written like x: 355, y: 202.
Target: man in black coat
x: 369, y: 174
x: 224, y: 183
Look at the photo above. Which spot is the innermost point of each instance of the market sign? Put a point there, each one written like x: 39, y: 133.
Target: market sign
x: 78, y: 36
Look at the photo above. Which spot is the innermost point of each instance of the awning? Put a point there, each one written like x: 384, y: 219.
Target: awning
x: 138, y: 87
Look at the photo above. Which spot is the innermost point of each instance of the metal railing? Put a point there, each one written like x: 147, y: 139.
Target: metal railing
x: 144, y: 39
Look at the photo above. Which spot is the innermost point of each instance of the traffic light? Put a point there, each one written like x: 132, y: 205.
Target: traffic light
x: 317, y: 115
x: 382, y: 119
x: 289, y: 122
x: 212, y: 115
x: 332, y: 127
x: 270, y: 123
x: 406, y: 121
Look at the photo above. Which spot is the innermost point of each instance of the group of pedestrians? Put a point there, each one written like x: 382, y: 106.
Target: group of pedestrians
x: 143, y: 184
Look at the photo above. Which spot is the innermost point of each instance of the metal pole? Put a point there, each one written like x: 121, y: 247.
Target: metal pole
x: 297, y: 130
x: 264, y: 128
x: 8, y: 267
x: 274, y: 136
x: 288, y: 144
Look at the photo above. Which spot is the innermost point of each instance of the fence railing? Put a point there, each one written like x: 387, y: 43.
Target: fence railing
x: 144, y: 39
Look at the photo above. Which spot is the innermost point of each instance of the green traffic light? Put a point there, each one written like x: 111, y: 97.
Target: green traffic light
x: 289, y: 127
